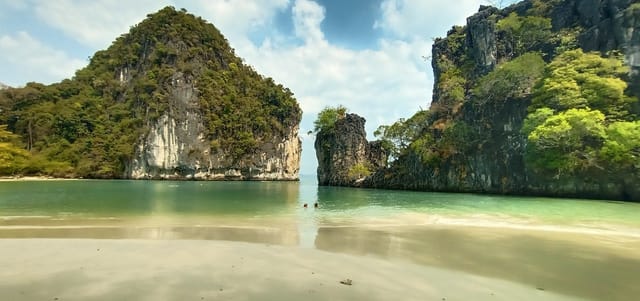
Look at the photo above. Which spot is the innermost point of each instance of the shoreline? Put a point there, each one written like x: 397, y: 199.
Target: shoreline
x: 36, y: 178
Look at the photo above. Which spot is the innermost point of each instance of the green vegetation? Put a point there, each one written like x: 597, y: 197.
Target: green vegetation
x: 88, y: 126
x: 509, y: 80
x: 585, y: 80
x: 580, y: 118
x: 542, y: 7
x: 622, y: 147
x: 525, y: 33
x: 327, y: 118
x: 452, y: 79
x: 568, y: 141
x: 397, y: 137
x: 13, y: 158
x: 635, y: 7
x: 358, y: 171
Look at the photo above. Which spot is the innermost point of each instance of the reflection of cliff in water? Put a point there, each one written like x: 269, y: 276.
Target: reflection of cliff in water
x: 572, y: 264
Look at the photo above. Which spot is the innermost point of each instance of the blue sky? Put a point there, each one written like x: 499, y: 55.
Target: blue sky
x: 364, y: 54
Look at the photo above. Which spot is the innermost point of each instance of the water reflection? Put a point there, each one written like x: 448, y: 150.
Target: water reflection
x: 592, y: 267
x: 394, y: 226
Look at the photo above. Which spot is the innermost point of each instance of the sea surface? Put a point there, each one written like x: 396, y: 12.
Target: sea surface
x: 582, y: 249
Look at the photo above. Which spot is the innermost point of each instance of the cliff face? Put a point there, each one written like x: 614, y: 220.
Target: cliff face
x: 345, y: 158
x: 167, y: 100
x: 176, y: 147
x: 494, y: 157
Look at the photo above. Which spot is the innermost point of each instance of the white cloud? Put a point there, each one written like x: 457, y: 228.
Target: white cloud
x: 381, y: 85
x: 406, y: 18
x: 27, y: 59
x: 307, y: 16
x: 237, y: 19
x: 94, y: 23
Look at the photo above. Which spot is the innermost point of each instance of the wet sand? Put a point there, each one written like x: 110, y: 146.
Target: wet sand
x: 388, y: 259
x: 89, y: 269
x: 35, y: 178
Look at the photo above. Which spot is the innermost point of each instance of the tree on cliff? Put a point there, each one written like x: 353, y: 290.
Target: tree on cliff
x: 327, y: 118
x: 581, y: 117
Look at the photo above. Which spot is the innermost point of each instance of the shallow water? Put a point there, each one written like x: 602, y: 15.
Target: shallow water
x: 578, y: 248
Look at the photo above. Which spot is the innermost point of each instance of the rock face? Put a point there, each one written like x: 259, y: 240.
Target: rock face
x: 344, y: 156
x: 178, y: 144
x: 176, y: 148
x: 497, y: 164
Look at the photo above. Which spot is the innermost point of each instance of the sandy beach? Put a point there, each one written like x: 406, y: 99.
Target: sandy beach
x: 87, y: 269
x: 35, y: 178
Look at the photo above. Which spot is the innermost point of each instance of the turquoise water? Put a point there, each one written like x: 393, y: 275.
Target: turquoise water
x: 583, y: 248
x: 94, y: 198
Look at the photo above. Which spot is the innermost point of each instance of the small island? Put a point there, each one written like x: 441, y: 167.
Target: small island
x: 533, y: 99
x: 167, y: 100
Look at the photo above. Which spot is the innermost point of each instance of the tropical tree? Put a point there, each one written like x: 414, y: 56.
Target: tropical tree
x: 328, y: 117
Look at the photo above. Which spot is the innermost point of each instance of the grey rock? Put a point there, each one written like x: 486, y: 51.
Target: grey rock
x: 340, y: 149
x: 176, y: 148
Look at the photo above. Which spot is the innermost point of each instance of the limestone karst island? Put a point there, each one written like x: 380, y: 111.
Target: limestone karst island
x: 320, y: 150
x: 168, y: 100
x: 540, y: 98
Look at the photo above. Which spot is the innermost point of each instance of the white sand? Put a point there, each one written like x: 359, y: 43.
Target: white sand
x: 35, y: 178
x: 87, y: 269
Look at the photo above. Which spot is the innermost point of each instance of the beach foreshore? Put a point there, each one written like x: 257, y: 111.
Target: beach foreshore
x: 90, y: 269
x: 35, y: 178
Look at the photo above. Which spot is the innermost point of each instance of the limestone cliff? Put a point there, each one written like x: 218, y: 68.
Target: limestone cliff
x: 176, y: 147
x: 167, y: 100
x: 345, y: 158
x: 178, y: 143
x: 472, y: 140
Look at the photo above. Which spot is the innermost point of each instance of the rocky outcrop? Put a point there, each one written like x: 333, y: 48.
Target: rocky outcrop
x: 496, y: 162
x: 345, y: 157
x: 482, y: 38
x: 176, y: 147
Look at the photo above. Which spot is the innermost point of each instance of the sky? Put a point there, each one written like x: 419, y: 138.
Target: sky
x: 368, y: 55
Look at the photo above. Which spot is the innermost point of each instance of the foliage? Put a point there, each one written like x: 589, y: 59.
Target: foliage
x: 535, y: 119
x: 527, y: 32
x: 328, y: 117
x: 457, y: 138
x: 512, y: 79
x: 396, y: 137
x: 88, y: 126
x: 568, y: 141
x: 425, y: 148
x: 13, y: 158
x: 622, y: 147
x: 453, y: 66
x: 542, y: 7
x: 358, y: 171
x: 566, y: 39
x: 585, y: 80
x: 580, y: 118
x: 635, y: 7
